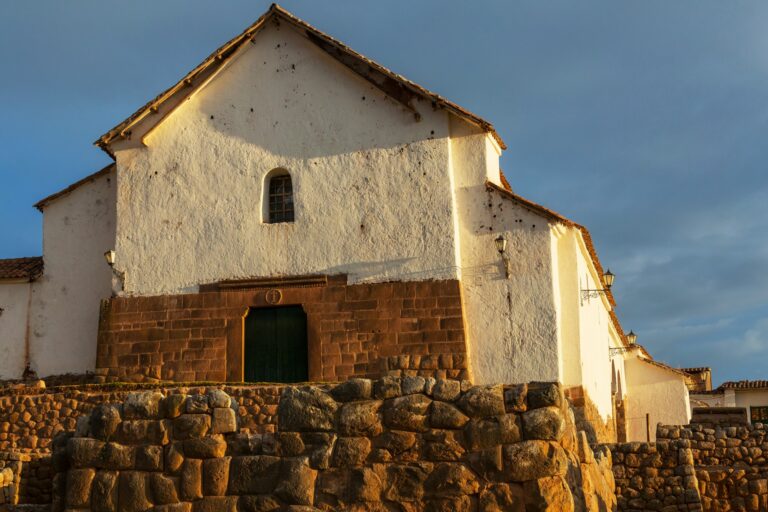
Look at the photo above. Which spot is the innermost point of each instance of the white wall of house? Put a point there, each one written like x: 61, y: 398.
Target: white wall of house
x: 14, y: 300
x: 751, y: 398
x: 511, y: 323
x: 77, y: 229
x: 372, y: 188
x: 656, y: 391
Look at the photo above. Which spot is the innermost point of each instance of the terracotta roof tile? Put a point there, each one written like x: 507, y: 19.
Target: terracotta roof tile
x: 744, y: 384
x: 21, y: 268
x: 700, y: 369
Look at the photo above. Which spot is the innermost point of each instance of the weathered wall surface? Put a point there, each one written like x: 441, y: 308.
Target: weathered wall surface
x: 655, y: 476
x: 656, y: 391
x: 731, y: 463
x: 412, y: 443
x: 359, y: 330
x: 371, y: 184
x: 77, y: 229
x: 14, y: 300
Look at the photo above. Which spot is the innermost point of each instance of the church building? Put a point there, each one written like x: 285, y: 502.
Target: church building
x: 292, y: 211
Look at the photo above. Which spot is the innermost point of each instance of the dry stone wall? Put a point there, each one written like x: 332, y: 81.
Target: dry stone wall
x: 731, y: 463
x: 655, y: 476
x: 396, y: 444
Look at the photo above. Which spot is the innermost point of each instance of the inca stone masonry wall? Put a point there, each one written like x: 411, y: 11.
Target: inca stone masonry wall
x: 362, y: 330
x: 409, y: 444
x: 731, y: 463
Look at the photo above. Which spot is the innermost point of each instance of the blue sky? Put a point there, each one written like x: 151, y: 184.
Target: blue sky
x: 645, y: 121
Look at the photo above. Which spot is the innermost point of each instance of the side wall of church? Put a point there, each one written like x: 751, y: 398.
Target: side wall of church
x: 371, y: 182
x: 77, y: 229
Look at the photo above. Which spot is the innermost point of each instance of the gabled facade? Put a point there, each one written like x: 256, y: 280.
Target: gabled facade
x: 291, y: 210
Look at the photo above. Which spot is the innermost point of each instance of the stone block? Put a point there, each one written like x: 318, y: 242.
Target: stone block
x: 79, y: 483
x: 544, y: 394
x: 164, y: 489
x: 173, y: 405
x: 483, y: 401
x: 360, y: 418
x: 191, y: 480
x: 446, y: 390
x: 351, y: 451
x: 411, y: 385
x: 550, y: 493
x: 489, y: 432
x: 142, y: 432
x: 142, y: 405
x: 306, y: 409
x: 263, y: 503
x: 442, y: 445
x: 256, y: 474
x: 387, y: 387
x: 149, y: 458
x: 191, y: 426
x: 545, y: 423
x: 197, y: 404
x: 216, y: 504
x: 297, y: 482
x: 531, y: 460
x: 116, y: 456
x: 133, y: 492
x: 224, y: 421
x: 452, y: 479
x: 407, y: 413
x: 104, y: 492
x: 515, y: 398
x: 445, y: 415
x: 217, y: 398
x: 353, y: 389
x: 206, y: 447
x: 103, y: 421
x: 405, y: 482
x: 84, y: 452
x: 289, y: 444
x: 502, y: 498
x: 174, y: 457
x: 216, y: 476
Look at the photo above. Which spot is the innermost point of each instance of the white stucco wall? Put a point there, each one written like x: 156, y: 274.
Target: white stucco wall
x: 655, y: 391
x: 511, y: 323
x: 77, y: 229
x: 371, y: 184
x: 751, y: 397
x: 14, y: 300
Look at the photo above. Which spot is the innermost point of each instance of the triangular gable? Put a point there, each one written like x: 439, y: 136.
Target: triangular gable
x: 396, y: 86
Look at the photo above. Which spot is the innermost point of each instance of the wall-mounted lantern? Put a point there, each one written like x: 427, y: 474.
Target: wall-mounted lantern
x: 501, y: 248
x: 631, y: 340
x: 110, y: 257
x: 608, y: 278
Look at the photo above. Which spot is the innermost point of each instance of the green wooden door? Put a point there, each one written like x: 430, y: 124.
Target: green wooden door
x: 276, y: 345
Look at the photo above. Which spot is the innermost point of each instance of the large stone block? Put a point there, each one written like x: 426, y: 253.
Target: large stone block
x: 405, y: 482
x: 116, y: 456
x: 174, y: 457
x: 224, y: 421
x: 452, y: 479
x: 387, y: 387
x: 133, y: 495
x: 353, y: 389
x: 407, y: 413
x: 306, y: 409
x: 164, y: 489
x: 483, y: 401
x: 173, y: 405
x: 191, y: 426
x: 502, y: 498
x: 191, y: 483
x: 544, y: 394
x: 142, y: 432
x: 217, y: 398
x: 206, y: 447
x: 197, y: 404
x: 149, y: 458
x: 79, y: 483
x: 297, y: 482
x: 445, y: 415
x: 104, y: 492
x: 143, y: 405
x: 263, y: 503
x: 360, y: 418
x: 216, y: 504
x: 84, y: 452
x: 104, y: 420
x: 257, y: 474
x: 550, y: 493
x: 446, y: 390
x: 531, y: 460
x: 489, y: 432
x: 216, y: 476
x: 351, y: 451
x: 546, y: 423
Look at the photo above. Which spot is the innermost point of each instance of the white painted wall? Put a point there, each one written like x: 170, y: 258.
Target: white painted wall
x: 656, y: 391
x: 511, y: 323
x: 372, y: 186
x: 725, y: 398
x: 751, y: 397
x: 14, y: 300
x: 77, y: 229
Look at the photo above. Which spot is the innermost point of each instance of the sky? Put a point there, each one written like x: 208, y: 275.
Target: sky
x: 645, y: 121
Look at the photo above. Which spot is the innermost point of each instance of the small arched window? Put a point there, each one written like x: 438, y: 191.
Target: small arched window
x: 280, y: 198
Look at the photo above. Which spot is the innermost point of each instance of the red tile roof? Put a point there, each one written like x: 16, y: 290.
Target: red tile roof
x: 700, y: 369
x: 398, y: 87
x: 21, y: 268
x: 744, y: 384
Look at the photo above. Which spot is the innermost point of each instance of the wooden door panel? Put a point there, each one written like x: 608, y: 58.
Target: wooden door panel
x: 276, y: 345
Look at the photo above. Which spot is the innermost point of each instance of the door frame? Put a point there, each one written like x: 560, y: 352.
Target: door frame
x: 235, y: 357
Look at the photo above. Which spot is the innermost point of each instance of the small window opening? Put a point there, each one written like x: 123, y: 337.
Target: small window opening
x: 280, y: 199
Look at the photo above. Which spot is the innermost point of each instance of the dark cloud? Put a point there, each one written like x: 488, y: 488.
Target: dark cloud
x: 645, y: 121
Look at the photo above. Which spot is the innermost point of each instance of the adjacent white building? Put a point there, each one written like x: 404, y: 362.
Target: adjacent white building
x: 380, y: 181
